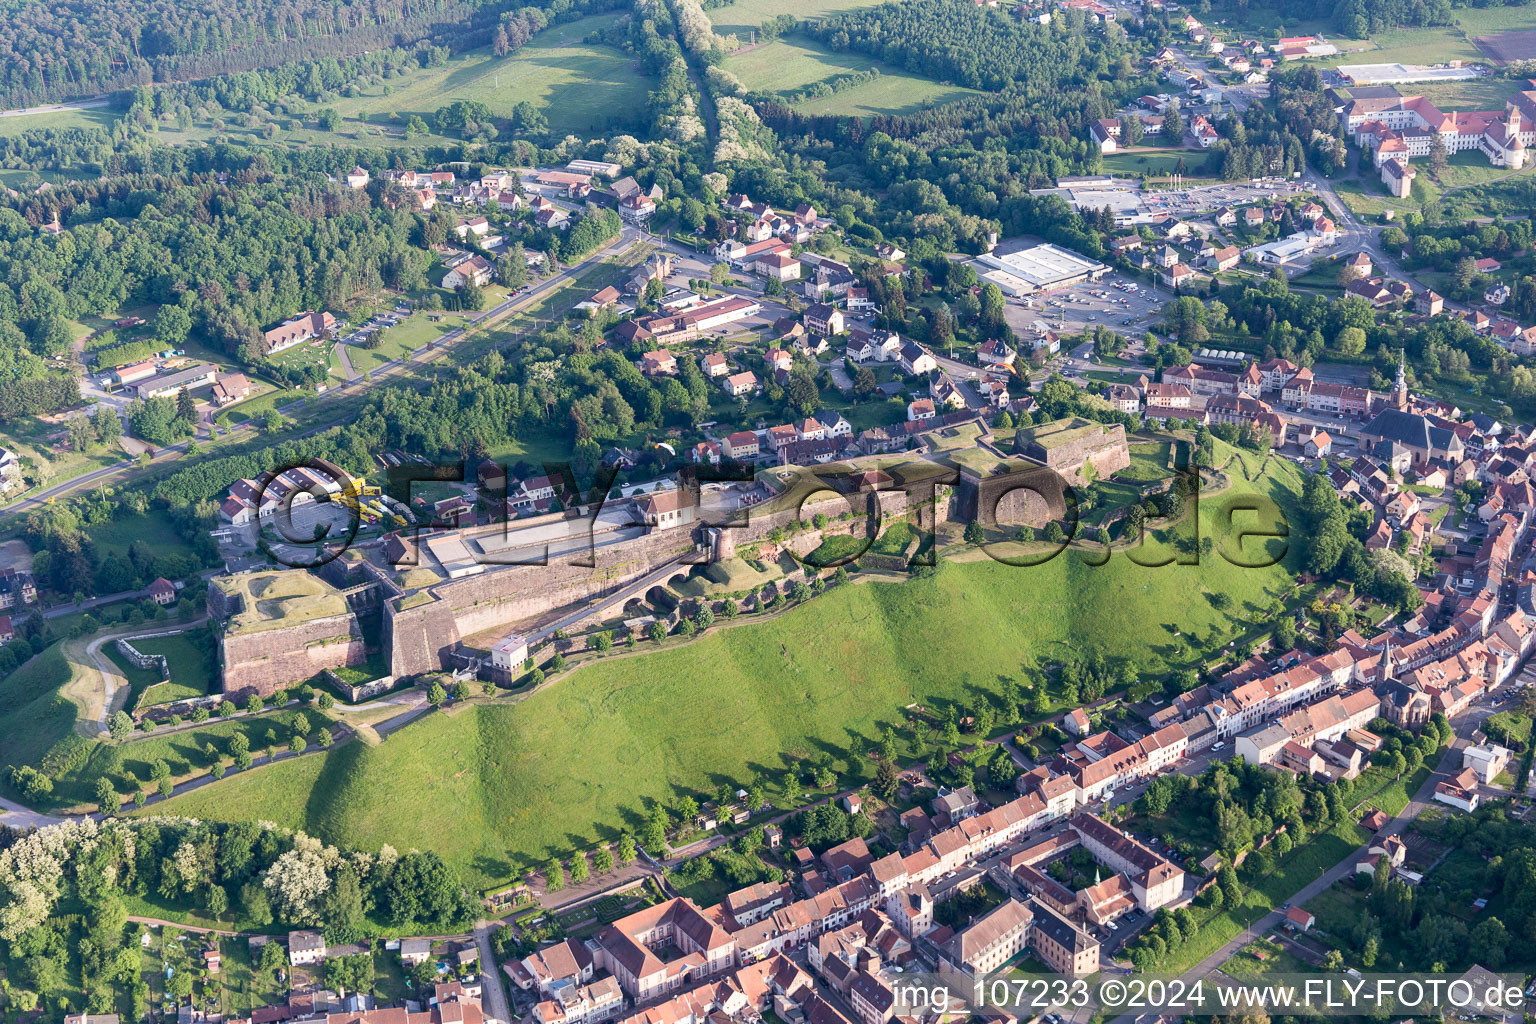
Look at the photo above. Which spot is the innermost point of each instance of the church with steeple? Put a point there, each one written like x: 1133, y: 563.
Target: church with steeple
x: 1396, y: 424
x: 1405, y: 706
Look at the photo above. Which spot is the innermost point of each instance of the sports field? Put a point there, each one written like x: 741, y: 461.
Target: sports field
x: 786, y: 66
x: 579, y: 88
x: 495, y: 787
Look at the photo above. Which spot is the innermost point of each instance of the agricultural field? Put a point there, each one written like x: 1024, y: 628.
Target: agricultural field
x: 1409, y: 46
x: 579, y: 761
x: 788, y: 65
x: 587, y: 89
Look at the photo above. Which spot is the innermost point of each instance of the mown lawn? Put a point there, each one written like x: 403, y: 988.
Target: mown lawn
x: 191, y: 671
x: 96, y: 117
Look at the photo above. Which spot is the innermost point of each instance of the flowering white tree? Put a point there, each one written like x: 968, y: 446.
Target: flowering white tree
x: 31, y: 873
x: 298, y: 880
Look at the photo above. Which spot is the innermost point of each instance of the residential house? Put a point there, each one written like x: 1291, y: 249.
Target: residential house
x: 637, y: 208
x: 162, y: 591
x: 738, y: 384
x: 231, y: 388
x: 920, y: 409
x: 916, y: 360
x: 880, y: 346
x: 305, y: 947
x: 994, y: 352
x: 741, y: 445
x: 1224, y: 259
x: 658, y: 362
x: 1177, y: 275
x: 823, y: 318
x: 476, y: 270
x: 10, y: 470
x: 956, y: 804
x: 477, y: 226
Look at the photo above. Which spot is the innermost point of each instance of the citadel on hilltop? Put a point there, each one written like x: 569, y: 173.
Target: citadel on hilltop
x: 433, y: 592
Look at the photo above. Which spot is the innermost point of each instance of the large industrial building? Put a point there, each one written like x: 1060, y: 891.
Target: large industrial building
x: 1037, y: 268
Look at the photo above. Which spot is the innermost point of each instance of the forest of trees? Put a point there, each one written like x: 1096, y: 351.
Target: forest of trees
x: 1353, y: 18
x: 979, y: 47
x: 268, y: 876
x: 236, y: 257
x: 73, y: 48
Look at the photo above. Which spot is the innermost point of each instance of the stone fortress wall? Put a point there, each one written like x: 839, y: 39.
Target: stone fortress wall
x: 421, y: 628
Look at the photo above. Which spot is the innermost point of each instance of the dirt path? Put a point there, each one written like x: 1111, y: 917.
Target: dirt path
x: 114, y: 686
x: 162, y: 923
x: 97, y: 687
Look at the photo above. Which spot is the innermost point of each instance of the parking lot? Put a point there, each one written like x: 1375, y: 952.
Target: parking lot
x: 1115, y: 302
x: 1188, y: 201
x: 376, y: 323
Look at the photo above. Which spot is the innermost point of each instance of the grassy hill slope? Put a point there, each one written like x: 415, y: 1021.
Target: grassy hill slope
x: 493, y: 787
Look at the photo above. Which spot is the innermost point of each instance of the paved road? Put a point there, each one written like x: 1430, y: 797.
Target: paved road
x: 490, y: 973
x: 54, y: 108
x: 14, y: 815
x: 627, y: 238
x: 346, y: 362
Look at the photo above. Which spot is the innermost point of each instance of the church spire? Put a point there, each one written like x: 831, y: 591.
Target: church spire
x: 1400, y: 385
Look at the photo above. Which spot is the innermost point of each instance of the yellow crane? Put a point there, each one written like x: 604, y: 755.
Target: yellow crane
x: 359, y: 497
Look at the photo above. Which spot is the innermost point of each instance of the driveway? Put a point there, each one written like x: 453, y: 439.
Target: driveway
x: 490, y: 972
